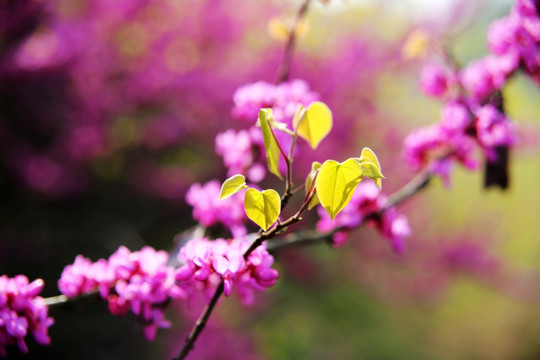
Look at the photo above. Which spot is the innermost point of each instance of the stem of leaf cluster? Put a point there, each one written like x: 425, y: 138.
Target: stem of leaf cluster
x: 261, y: 236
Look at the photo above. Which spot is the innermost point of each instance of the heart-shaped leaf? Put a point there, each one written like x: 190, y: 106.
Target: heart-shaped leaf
x: 315, y: 124
x: 271, y: 146
x: 232, y: 185
x: 336, y: 183
x: 262, y: 208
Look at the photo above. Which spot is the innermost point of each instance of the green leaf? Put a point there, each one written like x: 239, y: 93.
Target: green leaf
x: 262, y: 208
x: 368, y: 156
x: 336, y: 183
x: 232, y: 185
x: 371, y: 171
x: 315, y: 124
x: 315, y: 200
x: 270, y: 145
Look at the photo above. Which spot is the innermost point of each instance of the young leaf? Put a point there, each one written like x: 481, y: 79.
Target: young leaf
x: 262, y: 208
x: 315, y: 124
x: 232, y: 185
x: 371, y: 171
x: 315, y: 200
x: 270, y: 144
x: 336, y: 183
x: 370, y: 155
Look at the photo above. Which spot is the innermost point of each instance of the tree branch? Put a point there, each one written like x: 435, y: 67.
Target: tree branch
x: 285, y: 66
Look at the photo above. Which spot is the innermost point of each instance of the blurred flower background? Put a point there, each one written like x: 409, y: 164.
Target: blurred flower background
x: 109, y: 112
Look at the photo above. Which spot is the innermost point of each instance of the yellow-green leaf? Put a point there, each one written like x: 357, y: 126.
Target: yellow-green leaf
x: 270, y: 144
x: 262, y: 208
x: 370, y: 156
x: 232, y: 185
x: 371, y: 171
x: 336, y: 183
x: 315, y: 200
x: 315, y: 124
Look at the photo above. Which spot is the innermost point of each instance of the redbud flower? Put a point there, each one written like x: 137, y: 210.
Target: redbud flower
x: 22, y: 311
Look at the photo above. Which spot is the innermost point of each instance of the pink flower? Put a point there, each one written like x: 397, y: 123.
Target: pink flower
x: 434, y: 80
x: 209, y: 210
x: 22, y: 311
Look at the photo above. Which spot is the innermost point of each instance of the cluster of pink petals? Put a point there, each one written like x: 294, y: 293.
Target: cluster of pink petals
x: 140, y: 280
x: 462, y: 129
x: 365, y: 205
x: 243, y: 151
x: 240, y: 151
x: 517, y: 37
x: 209, y: 210
x: 207, y: 262
x: 282, y: 98
x: 22, y: 311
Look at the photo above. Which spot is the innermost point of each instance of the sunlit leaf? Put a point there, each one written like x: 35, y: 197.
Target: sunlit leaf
x: 232, y: 185
x: 309, y: 180
x: 371, y: 171
x: 270, y: 144
x: 315, y: 124
x: 368, y: 156
x: 262, y: 208
x: 336, y: 183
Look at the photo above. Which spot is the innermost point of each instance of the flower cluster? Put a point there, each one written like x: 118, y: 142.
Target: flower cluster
x: 473, y: 114
x: 209, y: 210
x: 365, y: 206
x: 22, y: 311
x: 462, y: 129
x: 243, y: 150
x: 140, y: 280
x: 207, y: 262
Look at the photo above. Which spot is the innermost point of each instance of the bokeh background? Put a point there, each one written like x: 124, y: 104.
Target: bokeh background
x: 109, y: 112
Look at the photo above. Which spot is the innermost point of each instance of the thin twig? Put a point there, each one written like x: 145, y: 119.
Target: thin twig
x: 285, y: 66
x: 205, y: 315
x: 310, y: 237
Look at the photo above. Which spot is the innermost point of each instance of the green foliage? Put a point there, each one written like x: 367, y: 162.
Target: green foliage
x: 336, y: 183
x: 262, y: 208
x: 309, y: 180
x: 270, y: 144
x: 315, y: 123
x: 232, y: 185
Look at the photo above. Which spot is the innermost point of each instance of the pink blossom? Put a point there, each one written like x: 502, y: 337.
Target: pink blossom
x: 434, y: 80
x: 209, y: 210
x: 139, y: 281
x: 206, y: 262
x: 22, y: 311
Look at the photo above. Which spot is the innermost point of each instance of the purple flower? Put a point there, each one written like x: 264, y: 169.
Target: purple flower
x: 205, y: 262
x: 493, y: 129
x: 209, y: 210
x: 22, y: 311
x: 434, y: 80
x: 139, y: 281
x: 282, y: 98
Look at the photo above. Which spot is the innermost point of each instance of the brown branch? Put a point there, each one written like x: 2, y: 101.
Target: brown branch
x: 312, y: 236
x: 285, y: 66
x: 205, y: 315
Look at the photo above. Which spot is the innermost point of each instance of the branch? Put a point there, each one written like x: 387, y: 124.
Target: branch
x: 205, y: 315
x: 285, y: 66
x: 312, y: 236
